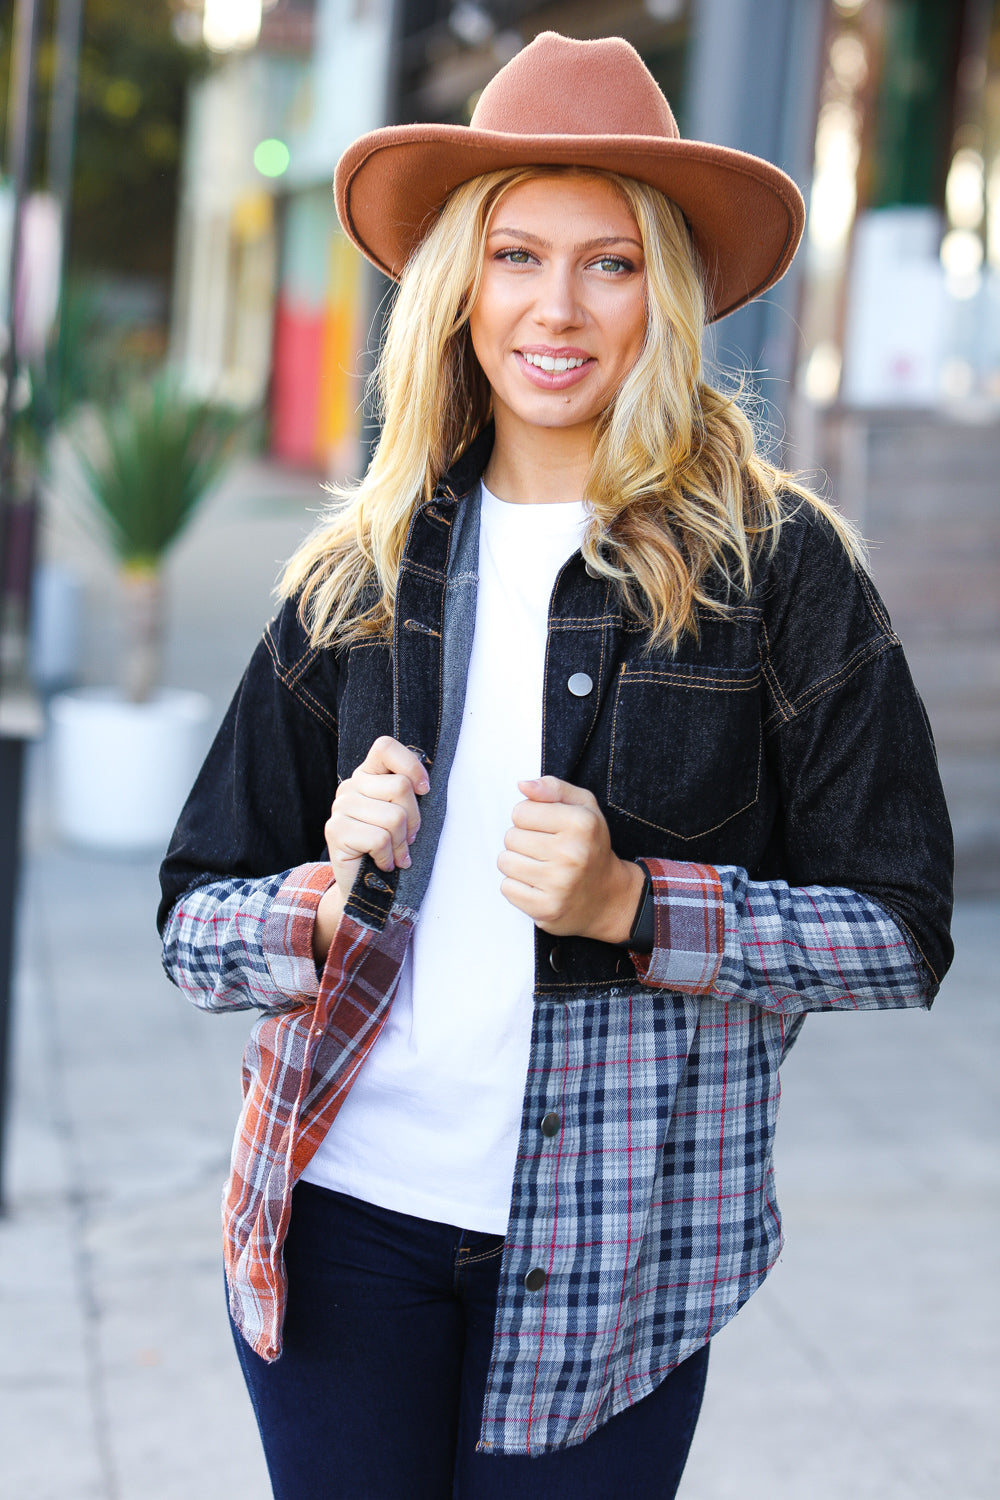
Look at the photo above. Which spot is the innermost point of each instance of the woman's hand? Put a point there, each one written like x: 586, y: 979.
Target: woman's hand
x: 374, y: 812
x: 559, y: 866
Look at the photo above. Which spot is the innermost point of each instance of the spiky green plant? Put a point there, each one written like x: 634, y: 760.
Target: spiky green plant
x: 161, y: 453
x: 158, y: 454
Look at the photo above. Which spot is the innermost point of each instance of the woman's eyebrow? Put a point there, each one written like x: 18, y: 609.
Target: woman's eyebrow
x: 535, y: 239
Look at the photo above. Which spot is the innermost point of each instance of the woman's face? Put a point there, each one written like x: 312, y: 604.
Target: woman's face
x: 560, y: 317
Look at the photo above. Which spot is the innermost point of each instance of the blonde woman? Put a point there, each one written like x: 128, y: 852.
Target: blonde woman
x: 579, y: 764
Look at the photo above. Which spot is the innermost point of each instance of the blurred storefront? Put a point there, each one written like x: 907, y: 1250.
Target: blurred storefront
x: 887, y: 111
x: 272, y: 305
x: 897, y: 393
x: 271, y: 301
x: 877, y: 357
x: 902, y: 293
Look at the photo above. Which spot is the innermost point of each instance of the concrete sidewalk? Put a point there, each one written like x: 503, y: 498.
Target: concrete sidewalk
x: 865, y: 1369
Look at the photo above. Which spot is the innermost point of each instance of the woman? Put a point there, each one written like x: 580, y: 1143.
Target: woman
x: 620, y: 772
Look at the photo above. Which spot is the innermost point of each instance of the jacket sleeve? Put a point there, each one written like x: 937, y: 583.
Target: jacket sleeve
x: 245, y: 870
x: 860, y: 917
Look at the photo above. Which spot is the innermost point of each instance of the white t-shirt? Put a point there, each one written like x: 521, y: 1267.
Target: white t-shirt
x: 431, y: 1124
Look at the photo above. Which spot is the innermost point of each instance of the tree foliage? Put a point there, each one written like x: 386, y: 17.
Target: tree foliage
x: 132, y: 85
x: 159, y: 454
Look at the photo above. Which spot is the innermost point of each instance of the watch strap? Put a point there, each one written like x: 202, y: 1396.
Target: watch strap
x: 643, y: 932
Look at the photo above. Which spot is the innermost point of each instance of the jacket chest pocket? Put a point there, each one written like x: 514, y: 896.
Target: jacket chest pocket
x: 686, y: 746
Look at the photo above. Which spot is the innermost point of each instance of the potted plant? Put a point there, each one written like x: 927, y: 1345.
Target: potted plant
x: 123, y: 759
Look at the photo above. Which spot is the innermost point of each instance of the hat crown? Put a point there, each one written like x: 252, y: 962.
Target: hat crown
x: 558, y: 86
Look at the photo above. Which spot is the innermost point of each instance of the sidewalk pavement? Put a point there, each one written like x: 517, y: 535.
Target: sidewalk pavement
x: 864, y: 1369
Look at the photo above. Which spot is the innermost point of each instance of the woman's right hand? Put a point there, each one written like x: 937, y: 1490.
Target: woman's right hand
x: 374, y: 812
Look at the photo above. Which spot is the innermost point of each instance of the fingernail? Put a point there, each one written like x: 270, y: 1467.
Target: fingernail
x: 405, y: 862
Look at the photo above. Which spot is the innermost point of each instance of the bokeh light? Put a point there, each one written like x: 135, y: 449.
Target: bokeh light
x: 271, y: 157
x: 965, y: 191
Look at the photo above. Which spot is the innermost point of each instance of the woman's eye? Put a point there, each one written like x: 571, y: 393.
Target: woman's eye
x: 515, y: 257
x: 616, y: 264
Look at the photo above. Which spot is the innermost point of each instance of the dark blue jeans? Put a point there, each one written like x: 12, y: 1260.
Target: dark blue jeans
x: 379, y: 1390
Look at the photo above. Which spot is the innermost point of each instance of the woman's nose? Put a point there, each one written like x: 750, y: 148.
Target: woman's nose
x: 557, y: 304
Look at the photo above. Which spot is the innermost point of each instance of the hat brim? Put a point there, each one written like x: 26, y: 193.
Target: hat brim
x: 746, y: 215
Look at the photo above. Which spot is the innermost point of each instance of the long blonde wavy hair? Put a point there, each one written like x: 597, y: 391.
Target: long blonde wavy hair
x: 681, y: 499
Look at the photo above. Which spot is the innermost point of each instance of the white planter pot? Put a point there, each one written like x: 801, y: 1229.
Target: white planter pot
x: 121, y: 771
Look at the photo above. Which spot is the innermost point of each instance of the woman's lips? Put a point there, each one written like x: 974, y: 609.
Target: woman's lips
x: 554, y: 380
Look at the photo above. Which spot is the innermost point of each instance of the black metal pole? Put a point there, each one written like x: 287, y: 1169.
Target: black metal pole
x: 16, y: 725
x: 11, y: 780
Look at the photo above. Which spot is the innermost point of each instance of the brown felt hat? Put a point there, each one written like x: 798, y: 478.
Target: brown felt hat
x: 584, y: 104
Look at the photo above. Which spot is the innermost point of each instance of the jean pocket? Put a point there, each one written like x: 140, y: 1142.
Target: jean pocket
x: 686, y: 746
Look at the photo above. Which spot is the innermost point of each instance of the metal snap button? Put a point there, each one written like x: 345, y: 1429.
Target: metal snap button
x: 550, y: 1124
x: 535, y: 1279
x: 580, y: 684
x: 591, y: 571
x: 556, y: 958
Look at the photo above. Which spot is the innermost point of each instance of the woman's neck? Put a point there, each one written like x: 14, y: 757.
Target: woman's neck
x: 538, y: 465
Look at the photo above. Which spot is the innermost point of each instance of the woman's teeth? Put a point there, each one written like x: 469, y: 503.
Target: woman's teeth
x: 551, y: 362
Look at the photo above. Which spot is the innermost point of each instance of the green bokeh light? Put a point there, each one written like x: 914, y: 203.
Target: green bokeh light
x: 271, y: 158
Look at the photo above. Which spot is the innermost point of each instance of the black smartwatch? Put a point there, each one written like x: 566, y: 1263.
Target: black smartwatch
x: 643, y: 932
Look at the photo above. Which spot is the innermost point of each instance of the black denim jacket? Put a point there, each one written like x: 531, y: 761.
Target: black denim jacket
x: 787, y: 742
x: 788, y: 739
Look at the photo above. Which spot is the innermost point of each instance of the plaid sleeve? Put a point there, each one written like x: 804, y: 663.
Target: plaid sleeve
x: 787, y: 949
x: 235, y: 944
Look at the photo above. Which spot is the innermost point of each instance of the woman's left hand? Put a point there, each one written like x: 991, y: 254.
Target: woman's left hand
x: 560, y: 868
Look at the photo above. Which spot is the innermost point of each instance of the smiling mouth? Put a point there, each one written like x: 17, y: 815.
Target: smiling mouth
x: 555, y: 362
